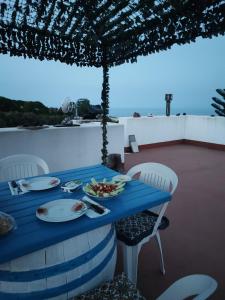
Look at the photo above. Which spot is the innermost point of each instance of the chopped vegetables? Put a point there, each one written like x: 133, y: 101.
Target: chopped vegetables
x: 103, y: 189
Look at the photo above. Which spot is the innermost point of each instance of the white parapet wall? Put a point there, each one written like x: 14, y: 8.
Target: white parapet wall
x: 150, y: 130
x: 63, y: 148
x: 72, y: 147
x: 205, y: 129
x: 157, y: 129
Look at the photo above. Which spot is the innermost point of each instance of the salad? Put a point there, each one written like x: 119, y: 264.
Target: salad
x: 103, y: 189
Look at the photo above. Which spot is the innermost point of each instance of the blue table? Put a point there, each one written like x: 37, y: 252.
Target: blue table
x: 33, y: 234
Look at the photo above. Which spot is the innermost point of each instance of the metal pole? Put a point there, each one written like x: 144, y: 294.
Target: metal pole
x: 105, y: 108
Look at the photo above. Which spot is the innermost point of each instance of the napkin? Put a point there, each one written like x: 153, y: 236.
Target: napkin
x: 18, y: 190
x: 22, y: 183
x: 91, y: 213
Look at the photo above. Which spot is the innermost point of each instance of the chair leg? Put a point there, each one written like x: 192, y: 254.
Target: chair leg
x: 162, y: 267
x: 130, y: 262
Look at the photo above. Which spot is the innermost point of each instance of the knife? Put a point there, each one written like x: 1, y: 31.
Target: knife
x: 94, y: 207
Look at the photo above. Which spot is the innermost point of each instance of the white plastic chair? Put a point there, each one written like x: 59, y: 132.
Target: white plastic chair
x: 163, y: 178
x: 200, y: 286
x: 20, y: 166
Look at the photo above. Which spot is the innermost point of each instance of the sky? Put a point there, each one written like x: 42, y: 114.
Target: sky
x: 190, y: 72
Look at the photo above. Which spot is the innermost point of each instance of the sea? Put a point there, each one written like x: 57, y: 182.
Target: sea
x: 145, y: 111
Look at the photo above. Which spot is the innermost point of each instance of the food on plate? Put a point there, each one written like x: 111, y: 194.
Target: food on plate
x: 78, y: 206
x: 54, y: 181
x: 76, y: 181
x: 6, y: 223
x: 42, y: 211
x: 103, y: 188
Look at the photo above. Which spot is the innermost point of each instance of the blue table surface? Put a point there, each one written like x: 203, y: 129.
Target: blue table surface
x: 33, y: 234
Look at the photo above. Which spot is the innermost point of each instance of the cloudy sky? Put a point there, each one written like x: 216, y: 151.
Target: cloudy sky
x: 190, y: 72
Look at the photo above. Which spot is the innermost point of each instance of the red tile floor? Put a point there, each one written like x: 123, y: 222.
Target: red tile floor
x: 195, y: 240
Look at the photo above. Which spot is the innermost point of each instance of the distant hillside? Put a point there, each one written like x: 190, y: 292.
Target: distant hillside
x: 25, y: 113
x: 9, y: 105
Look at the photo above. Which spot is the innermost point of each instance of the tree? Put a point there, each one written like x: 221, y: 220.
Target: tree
x: 7, y: 105
x: 27, y: 113
x: 83, y: 106
x: 219, y: 104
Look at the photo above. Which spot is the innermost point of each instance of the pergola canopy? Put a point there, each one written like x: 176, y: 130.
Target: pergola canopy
x: 104, y: 32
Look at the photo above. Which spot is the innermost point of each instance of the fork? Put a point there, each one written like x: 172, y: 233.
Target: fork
x: 16, y: 187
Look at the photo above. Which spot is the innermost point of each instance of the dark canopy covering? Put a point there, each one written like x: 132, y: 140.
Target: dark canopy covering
x: 104, y: 33
x: 99, y: 32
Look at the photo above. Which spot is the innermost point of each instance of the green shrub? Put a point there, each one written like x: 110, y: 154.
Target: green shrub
x: 15, y: 118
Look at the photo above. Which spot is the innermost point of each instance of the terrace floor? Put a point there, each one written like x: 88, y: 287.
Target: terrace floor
x: 195, y: 240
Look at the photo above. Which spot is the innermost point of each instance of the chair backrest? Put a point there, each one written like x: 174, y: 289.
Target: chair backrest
x: 158, y: 176
x: 200, y: 286
x: 21, y: 166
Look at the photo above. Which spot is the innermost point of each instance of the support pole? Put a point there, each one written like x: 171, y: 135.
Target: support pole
x: 105, y: 108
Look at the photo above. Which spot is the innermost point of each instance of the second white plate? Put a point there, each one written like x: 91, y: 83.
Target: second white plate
x: 41, y: 183
x: 61, y: 210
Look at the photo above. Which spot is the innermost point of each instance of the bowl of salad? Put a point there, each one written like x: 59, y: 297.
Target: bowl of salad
x: 103, y: 189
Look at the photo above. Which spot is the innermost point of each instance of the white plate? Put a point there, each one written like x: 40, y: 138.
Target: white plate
x: 61, y: 210
x: 41, y: 183
x: 123, y: 178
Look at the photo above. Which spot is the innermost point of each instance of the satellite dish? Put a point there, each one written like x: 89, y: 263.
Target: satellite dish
x: 68, y: 106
